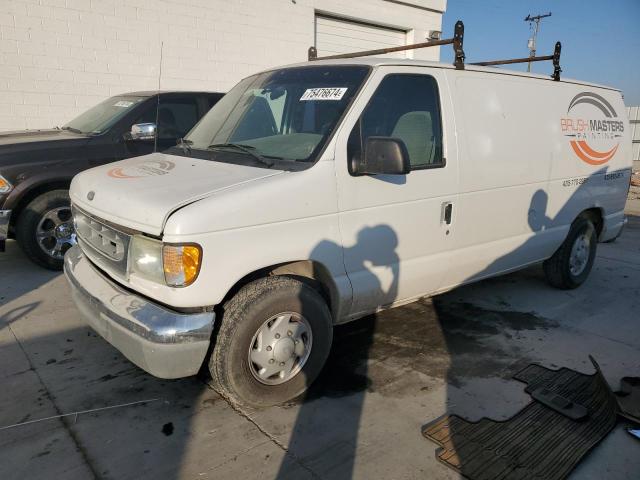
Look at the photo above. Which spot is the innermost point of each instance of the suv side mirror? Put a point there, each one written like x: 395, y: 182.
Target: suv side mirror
x: 142, y: 131
x: 382, y: 155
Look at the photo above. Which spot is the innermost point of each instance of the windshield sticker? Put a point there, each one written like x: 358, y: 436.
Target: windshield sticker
x: 123, y: 104
x: 323, y: 94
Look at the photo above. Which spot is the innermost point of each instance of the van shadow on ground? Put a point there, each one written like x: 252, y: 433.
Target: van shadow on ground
x: 437, y: 338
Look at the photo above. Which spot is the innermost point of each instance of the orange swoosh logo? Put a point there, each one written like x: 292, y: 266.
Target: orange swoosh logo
x: 591, y: 156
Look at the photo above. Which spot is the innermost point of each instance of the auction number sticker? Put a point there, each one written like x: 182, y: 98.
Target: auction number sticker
x: 123, y: 104
x: 323, y: 94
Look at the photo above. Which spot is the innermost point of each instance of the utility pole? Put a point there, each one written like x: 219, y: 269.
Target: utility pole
x: 535, y: 23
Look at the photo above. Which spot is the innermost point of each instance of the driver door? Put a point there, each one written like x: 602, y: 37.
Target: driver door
x: 397, y: 230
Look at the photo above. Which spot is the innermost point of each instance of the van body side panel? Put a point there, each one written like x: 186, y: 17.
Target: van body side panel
x: 521, y: 183
x: 595, y: 167
x: 505, y: 158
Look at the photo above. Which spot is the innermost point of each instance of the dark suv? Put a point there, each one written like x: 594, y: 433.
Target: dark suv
x: 36, y: 166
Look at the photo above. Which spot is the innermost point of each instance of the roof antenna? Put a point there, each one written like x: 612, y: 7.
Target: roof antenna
x: 155, y: 138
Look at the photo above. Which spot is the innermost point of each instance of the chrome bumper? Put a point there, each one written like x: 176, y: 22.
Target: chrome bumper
x: 166, y: 344
x: 5, y: 215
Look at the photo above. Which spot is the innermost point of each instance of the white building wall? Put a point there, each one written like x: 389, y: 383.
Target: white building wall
x: 59, y: 57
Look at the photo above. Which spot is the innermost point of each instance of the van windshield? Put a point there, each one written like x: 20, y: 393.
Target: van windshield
x: 286, y: 114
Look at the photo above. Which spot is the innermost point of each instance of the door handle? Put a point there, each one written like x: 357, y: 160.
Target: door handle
x: 447, y: 211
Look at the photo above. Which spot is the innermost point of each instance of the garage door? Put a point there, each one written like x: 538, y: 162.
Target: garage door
x: 335, y: 36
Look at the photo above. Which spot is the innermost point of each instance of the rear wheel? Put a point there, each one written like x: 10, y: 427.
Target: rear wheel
x: 45, y: 229
x: 570, y: 266
x: 274, y: 338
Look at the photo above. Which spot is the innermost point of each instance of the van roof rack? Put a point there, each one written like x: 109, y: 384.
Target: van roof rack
x: 457, y: 41
x: 555, y: 57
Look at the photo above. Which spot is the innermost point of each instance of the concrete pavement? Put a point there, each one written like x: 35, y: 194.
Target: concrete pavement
x: 387, y: 376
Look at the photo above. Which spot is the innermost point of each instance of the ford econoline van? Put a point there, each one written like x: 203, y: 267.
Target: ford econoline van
x: 323, y: 192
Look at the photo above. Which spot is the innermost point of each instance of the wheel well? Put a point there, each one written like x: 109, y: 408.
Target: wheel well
x: 595, y: 215
x: 311, y: 273
x: 34, y: 192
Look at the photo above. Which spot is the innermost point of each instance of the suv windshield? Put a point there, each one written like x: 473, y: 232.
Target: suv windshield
x: 286, y: 114
x: 101, y: 117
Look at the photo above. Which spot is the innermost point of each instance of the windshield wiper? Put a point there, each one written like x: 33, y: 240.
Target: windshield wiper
x: 71, y: 129
x: 248, y: 149
x: 185, y: 145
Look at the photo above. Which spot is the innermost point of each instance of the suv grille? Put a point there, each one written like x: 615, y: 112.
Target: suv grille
x: 104, y: 244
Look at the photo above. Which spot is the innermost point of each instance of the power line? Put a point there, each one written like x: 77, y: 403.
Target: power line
x: 534, y: 22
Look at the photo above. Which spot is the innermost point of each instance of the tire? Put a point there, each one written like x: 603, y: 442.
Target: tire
x: 559, y: 270
x: 234, y: 375
x: 49, y: 214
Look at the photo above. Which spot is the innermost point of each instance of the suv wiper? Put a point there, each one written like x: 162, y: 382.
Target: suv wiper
x: 248, y: 149
x: 71, y: 129
x: 185, y: 145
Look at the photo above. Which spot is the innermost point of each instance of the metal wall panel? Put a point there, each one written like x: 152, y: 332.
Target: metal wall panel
x: 337, y: 35
x: 634, y: 119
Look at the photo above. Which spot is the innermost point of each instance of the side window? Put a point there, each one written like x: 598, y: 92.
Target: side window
x: 176, y: 116
x: 405, y: 106
x: 211, y: 101
x: 148, y: 115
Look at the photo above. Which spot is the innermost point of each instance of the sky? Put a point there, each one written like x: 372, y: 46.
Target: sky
x: 600, y: 38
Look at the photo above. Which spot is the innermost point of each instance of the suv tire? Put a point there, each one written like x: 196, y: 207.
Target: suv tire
x: 44, y: 225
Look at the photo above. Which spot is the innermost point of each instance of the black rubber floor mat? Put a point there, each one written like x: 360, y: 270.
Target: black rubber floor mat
x: 629, y: 398
x: 537, y: 442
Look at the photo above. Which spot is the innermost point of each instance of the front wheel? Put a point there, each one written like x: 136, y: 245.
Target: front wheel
x: 45, y: 229
x: 569, y: 267
x: 274, y: 338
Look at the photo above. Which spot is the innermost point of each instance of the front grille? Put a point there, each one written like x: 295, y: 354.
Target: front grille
x: 104, y: 244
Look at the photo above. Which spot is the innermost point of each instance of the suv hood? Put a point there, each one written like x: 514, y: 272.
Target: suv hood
x: 37, y: 136
x: 140, y: 193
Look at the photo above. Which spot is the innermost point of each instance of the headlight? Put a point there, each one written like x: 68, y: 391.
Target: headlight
x: 5, y: 186
x: 176, y: 265
x: 145, y: 258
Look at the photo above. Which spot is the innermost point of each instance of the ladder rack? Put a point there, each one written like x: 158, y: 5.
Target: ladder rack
x: 457, y: 42
x: 555, y: 57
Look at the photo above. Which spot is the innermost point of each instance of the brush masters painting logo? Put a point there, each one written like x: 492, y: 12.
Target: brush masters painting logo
x: 145, y: 169
x: 593, y: 126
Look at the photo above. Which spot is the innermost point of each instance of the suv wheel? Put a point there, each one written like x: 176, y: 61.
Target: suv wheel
x: 274, y: 338
x: 45, y: 229
x: 569, y: 267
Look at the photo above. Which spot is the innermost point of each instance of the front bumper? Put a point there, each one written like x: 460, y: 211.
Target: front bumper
x: 165, y: 343
x: 5, y: 215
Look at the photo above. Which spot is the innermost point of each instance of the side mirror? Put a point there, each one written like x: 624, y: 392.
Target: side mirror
x: 142, y: 131
x: 382, y: 155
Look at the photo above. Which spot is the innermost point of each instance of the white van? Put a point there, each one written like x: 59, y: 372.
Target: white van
x: 319, y: 193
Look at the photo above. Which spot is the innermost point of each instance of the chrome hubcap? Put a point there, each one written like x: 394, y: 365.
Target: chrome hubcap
x: 280, y: 348
x: 579, y: 254
x: 55, y: 233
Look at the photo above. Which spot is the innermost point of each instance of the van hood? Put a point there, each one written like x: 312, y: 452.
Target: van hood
x: 140, y: 193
